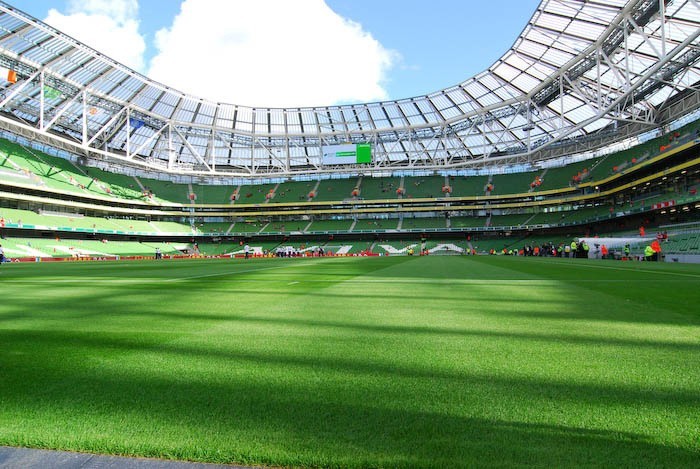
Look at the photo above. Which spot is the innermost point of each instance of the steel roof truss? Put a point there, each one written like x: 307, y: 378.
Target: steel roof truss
x: 111, y: 122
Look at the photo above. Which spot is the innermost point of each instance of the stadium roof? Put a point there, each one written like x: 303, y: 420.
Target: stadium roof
x: 582, y: 73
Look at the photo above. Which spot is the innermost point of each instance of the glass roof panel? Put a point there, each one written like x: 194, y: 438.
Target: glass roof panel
x: 560, y: 33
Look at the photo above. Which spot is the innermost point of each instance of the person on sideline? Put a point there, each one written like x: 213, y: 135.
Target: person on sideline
x: 648, y: 253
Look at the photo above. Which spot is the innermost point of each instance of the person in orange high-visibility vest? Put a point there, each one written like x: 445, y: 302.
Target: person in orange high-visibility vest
x: 603, y: 251
x: 657, y: 250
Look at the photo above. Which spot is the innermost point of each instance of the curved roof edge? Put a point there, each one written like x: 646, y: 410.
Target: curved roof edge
x: 578, y: 70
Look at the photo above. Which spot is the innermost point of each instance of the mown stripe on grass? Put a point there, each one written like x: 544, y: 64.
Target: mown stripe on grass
x: 625, y: 269
x: 233, y: 272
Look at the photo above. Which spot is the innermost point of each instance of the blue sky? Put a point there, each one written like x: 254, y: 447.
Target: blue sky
x: 295, y: 53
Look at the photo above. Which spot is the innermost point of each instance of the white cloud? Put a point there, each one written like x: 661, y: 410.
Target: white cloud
x: 108, y: 26
x: 270, y: 53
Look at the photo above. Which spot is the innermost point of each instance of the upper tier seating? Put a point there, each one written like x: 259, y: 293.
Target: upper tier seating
x: 423, y: 223
x: 337, y: 189
x: 379, y: 188
x: 330, y: 225
x: 425, y: 187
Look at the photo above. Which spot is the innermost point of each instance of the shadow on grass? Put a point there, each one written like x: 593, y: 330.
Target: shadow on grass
x: 143, y: 305
x: 97, y: 344
x: 242, y: 418
x: 138, y: 300
x: 64, y: 389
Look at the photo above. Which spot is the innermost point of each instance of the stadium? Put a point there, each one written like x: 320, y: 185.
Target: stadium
x: 503, y: 272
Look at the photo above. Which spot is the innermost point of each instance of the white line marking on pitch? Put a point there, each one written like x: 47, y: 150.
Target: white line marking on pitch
x: 234, y: 272
x: 292, y: 283
x: 632, y: 269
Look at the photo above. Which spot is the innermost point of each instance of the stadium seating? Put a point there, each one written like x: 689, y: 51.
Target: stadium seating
x: 423, y: 223
x: 118, y: 185
x: 514, y: 183
x: 213, y: 194
x: 171, y: 227
x: 330, y: 225
x: 467, y: 186
x: 379, y: 188
x: 348, y: 247
x: 48, y: 171
x: 29, y: 167
x: 364, y: 225
x: 467, y: 222
x: 295, y: 191
x: 509, y: 220
x: 426, y: 187
x: 247, y: 227
x: 285, y: 226
x: 214, y: 227
x: 168, y: 191
x: 336, y: 189
x: 59, y: 247
x: 396, y: 247
x: 684, y: 243
x: 556, y: 178
x: 585, y: 214
x: 256, y: 193
x: 546, y: 218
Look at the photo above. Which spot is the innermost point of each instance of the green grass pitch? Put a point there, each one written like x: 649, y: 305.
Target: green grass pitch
x: 356, y: 362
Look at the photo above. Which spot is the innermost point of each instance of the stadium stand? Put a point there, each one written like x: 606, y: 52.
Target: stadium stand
x: 370, y: 225
x: 212, y: 194
x: 467, y: 222
x: 562, y: 176
x: 337, y: 189
x: 285, y: 226
x: 296, y: 191
x: 509, y: 220
x: 24, y: 168
x: 425, y: 187
x: 256, y: 193
x: 379, y: 188
x: 120, y: 185
x: 422, y: 223
x: 167, y: 191
x: 467, y: 186
x: 513, y: 183
x: 66, y: 248
x: 330, y: 225
x: 247, y: 227
x: 214, y: 227
x: 47, y: 171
